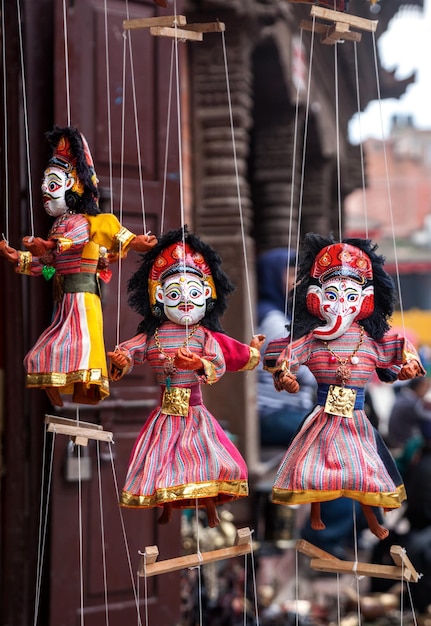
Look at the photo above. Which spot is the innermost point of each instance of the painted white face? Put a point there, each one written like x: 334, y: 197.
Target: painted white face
x: 184, y: 298
x: 340, y: 302
x: 55, y: 183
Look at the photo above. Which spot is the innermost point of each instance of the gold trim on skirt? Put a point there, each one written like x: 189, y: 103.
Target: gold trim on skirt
x: 57, y: 379
x: 387, y: 500
x: 185, y: 496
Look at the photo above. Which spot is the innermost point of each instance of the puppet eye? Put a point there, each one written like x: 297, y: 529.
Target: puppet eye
x: 194, y: 292
x: 331, y: 295
x: 53, y: 186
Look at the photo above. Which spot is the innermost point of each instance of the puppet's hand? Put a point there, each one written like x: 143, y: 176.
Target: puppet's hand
x: 143, y: 243
x: 38, y: 246
x: 186, y: 360
x: 410, y: 369
x: 285, y: 381
x: 118, y: 361
x: 257, y: 341
x: 9, y: 253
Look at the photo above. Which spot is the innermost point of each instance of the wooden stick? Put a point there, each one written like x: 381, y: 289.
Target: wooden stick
x: 206, y: 27
x: 336, y: 32
x: 80, y: 432
x: 361, y: 569
x: 400, y: 558
x: 178, y: 33
x: 147, y: 22
x: 337, y: 16
x: 324, y: 562
x: 148, y: 567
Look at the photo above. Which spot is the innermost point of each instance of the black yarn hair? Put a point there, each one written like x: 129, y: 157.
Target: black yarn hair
x: 88, y: 201
x: 138, y: 284
x: 376, y: 324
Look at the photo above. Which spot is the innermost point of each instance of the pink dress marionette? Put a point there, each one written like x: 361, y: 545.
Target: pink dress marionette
x: 182, y: 457
x: 69, y: 357
x: 336, y: 451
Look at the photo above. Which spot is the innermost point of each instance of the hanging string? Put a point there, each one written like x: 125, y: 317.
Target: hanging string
x: 123, y: 528
x: 102, y: 533
x: 253, y: 570
x: 26, y: 129
x: 43, y: 522
x: 81, y: 557
x: 144, y: 560
x: 198, y: 551
x: 245, y: 591
x: 66, y: 61
x: 168, y: 128
x: 389, y: 195
x: 235, y: 159
x: 108, y: 104
x: 337, y: 134
x: 5, y: 127
x: 361, y: 146
x: 301, y: 186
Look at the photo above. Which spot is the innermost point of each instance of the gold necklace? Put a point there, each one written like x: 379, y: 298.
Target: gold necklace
x: 169, y: 366
x: 343, y: 371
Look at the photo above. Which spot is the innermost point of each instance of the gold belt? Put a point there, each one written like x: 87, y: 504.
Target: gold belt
x: 176, y: 401
x: 340, y: 401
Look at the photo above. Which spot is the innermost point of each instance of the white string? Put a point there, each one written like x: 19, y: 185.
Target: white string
x: 102, y: 534
x: 361, y: 146
x: 253, y: 569
x: 245, y: 591
x: 180, y: 156
x: 168, y: 128
x: 108, y: 103
x: 5, y: 126
x: 81, y: 564
x: 235, y: 159
x: 301, y: 186
x: 337, y: 134
x: 26, y: 130
x: 198, y: 550
x: 66, y: 61
x: 144, y: 559
x: 388, y: 186
x: 297, y: 587
x: 123, y: 528
x: 43, y: 524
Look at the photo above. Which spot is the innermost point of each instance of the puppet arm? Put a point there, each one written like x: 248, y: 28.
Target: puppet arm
x: 284, y: 380
x: 39, y: 246
x: 8, y: 252
x: 119, y: 364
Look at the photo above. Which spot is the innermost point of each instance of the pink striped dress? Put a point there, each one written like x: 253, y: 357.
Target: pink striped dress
x: 333, y: 456
x: 180, y: 459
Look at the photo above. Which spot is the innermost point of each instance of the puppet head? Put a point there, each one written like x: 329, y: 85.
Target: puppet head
x: 180, y: 279
x: 341, y: 289
x: 70, y: 181
x: 339, y: 282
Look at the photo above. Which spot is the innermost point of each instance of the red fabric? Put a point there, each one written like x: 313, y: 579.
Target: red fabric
x: 236, y: 354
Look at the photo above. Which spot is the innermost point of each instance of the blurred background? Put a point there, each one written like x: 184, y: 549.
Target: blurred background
x: 252, y: 103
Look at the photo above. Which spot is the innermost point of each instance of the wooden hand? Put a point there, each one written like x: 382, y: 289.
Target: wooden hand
x: 285, y: 381
x: 186, y: 360
x: 143, y: 243
x: 9, y: 253
x: 38, y: 246
x: 257, y: 342
x: 410, y: 369
x: 118, y: 361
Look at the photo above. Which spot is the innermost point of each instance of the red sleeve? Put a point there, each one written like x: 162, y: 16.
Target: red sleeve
x: 236, y: 354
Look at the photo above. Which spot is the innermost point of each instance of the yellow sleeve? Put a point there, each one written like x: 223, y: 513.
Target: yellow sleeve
x: 107, y: 231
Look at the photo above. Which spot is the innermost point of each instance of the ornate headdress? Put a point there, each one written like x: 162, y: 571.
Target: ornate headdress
x: 322, y: 258
x: 178, y: 251
x: 72, y: 154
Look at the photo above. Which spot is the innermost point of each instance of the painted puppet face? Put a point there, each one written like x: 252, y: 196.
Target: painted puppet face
x: 339, y: 302
x: 184, y: 298
x: 55, y: 183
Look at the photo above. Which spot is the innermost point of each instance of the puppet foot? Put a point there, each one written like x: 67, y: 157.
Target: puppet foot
x: 86, y: 395
x: 315, y: 519
x: 54, y: 396
x: 166, y: 515
x: 379, y: 531
x: 213, y: 518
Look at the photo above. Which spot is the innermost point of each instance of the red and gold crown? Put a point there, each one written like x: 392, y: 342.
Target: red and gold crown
x: 64, y: 156
x: 342, y: 259
x: 176, y: 259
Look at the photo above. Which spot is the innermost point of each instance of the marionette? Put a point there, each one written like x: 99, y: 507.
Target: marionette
x: 343, y: 301
x: 182, y: 457
x: 69, y: 357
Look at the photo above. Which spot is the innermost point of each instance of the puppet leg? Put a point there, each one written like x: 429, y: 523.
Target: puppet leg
x: 213, y: 518
x: 166, y: 515
x: 316, y: 520
x: 374, y: 526
x: 54, y: 396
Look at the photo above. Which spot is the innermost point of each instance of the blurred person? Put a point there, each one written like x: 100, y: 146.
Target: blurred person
x: 280, y: 414
x: 408, y: 409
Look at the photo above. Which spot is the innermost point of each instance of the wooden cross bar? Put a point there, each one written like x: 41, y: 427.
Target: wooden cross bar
x: 324, y: 562
x: 339, y: 29
x: 174, y: 26
x: 150, y: 567
x: 79, y: 432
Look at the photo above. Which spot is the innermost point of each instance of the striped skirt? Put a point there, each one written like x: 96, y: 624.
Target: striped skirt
x: 182, y: 460
x: 333, y: 456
